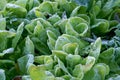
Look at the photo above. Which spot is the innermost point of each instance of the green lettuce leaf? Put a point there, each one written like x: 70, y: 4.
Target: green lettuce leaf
x: 16, y: 10
x: 2, y: 75
x: 29, y: 46
x: 2, y: 23
x: 24, y: 62
x: 18, y: 35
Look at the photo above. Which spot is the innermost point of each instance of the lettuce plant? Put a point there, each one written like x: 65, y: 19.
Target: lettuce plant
x: 59, y: 40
